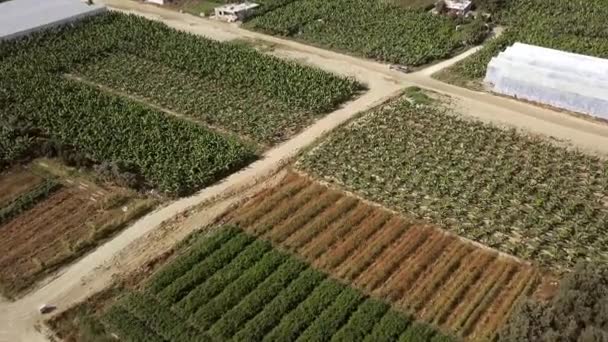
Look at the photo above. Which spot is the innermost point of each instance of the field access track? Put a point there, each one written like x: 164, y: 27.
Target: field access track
x: 421, y: 270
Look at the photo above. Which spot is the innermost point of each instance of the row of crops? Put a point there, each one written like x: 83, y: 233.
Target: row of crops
x: 519, y: 194
x: 577, y: 27
x: 230, y: 286
x: 27, y: 200
x: 374, y: 29
x: 38, y: 103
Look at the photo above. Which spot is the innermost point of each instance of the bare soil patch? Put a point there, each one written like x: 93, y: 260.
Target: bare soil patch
x: 15, y: 182
x: 60, y: 228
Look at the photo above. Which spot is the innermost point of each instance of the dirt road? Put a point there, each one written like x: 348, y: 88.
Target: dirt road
x: 17, y: 319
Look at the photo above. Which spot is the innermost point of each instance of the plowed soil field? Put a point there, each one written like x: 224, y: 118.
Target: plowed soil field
x: 439, y: 278
x: 15, y: 182
x: 58, y: 228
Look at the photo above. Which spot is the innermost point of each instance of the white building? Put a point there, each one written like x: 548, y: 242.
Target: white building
x: 235, y: 12
x: 560, y: 79
x: 22, y: 17
x: 460, y: 7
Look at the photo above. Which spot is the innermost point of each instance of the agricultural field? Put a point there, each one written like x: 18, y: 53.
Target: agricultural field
x: 104, y: 87
x: 520, y: 194
x: 231, y: 286
x: 48, y: 221
x: 577, y: 27
x: 419, y: 269
x: 374, y: 29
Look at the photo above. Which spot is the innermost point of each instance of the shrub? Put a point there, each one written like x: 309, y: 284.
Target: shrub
x: 579, y: 312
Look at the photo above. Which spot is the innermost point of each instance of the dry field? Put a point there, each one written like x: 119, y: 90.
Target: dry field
x: 15, y: 182
x: 438, y: 277
x: 45, y: 229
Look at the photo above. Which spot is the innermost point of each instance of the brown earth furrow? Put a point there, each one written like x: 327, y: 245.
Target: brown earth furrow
x: 498, y: 314
x: 321, y: 243
x: 44, y: 245
x: 320, y: 223
x: 265, y: 204
x: 441, y: 304
x: 341, y: 250
x: 404, y: 278
x: 423, y: 290
x: 392, y: 257
x: 302, y: 216
x: 476, y: 292
x: 283, y: 210
x: 15, y: 183
x: 31, y: 223
x: 252, y: 203
x: 377, y: 243
x: 489, y: 300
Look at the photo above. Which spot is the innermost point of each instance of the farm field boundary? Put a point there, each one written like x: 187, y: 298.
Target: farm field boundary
x: 419, y: 269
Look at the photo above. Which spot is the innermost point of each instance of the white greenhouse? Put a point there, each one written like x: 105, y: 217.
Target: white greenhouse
x: 560, y: 79
x: 22, y: 17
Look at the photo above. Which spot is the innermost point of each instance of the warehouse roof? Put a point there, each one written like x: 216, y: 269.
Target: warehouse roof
x: 22, y: 17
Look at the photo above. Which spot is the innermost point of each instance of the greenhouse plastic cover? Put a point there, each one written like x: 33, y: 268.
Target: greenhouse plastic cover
x: 22, y: 17
x: 561, y: 79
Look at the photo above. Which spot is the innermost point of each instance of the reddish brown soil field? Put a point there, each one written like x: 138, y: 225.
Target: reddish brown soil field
x: 441, y: 279
x: 16, y: 182
x: 57, y: 230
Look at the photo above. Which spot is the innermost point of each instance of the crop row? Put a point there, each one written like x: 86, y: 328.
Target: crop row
x: 516, y: 193
x: 557, y: 24
x: 417, y: 268
x: 373, y: 29
x: 27, y: 200
x: 38, y: 103
x: 258, y: 294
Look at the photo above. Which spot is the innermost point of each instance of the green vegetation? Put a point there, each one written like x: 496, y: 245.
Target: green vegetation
x: 272, y: 115
x: 370, y: 28
x: 579, y: 311
x: 27, y: 200
x: 258, y: 293
x: 559, y: 24
x: 39, y: 106
x: 519, y: 194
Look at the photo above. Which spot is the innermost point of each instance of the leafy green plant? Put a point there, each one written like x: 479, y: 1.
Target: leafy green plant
x: 372, y: 29
x: 519, y: 194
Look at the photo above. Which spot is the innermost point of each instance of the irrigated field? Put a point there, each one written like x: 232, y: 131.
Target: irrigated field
x: 47, y: 223
x: 420, y: 269
x: 227, y: 88
x: 559, y: 24
x: 376, y: 29
x: 232, y: 287
x: 519, y: 194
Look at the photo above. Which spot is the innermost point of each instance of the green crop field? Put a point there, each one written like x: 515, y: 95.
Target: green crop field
x: 371, y: 28
x: 574, y: 26
x: 230, y: 286
x: 519, y: 194
x: 226, y: 88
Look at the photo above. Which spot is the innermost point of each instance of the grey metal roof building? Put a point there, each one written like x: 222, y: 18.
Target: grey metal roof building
x: 21, y: 17
x: 561, y: 79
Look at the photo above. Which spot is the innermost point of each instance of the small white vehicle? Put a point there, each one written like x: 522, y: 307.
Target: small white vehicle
x: 402, y: 68
x: 47, y: 308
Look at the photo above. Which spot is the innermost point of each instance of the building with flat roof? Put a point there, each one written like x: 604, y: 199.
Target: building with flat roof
x: 22, y: 17
x: 235, y: 12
